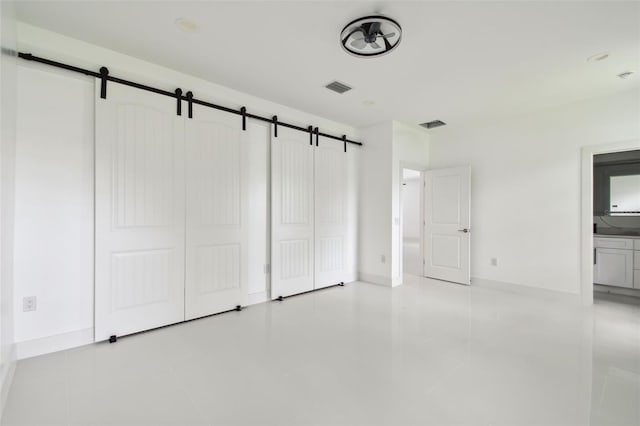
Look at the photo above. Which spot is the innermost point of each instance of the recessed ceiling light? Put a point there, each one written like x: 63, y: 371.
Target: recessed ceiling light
x: 186, y: 25
x: 625, y: 74
x: 598, y: 57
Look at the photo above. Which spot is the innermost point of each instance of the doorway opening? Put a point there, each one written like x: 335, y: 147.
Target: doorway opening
x: 616, y: 224
x: 610, y: 220
x: 412, y: 222
x: 434, y: 234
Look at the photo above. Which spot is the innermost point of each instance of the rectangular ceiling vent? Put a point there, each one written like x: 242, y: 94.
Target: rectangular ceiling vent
x: 338, y: 87
x: 433, y: 124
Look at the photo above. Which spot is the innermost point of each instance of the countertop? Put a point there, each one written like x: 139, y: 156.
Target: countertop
x: 635, y: 237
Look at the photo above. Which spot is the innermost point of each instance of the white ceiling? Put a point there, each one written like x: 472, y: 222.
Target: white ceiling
x: 458, y: 61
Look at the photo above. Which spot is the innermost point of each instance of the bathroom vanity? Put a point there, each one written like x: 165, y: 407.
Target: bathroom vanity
x: 616, y: 260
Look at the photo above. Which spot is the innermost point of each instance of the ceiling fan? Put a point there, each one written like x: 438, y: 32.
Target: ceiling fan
x: 371, y: 36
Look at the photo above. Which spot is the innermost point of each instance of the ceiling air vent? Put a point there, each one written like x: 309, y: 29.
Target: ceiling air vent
x: 338, y: 87
x: 433, y: 124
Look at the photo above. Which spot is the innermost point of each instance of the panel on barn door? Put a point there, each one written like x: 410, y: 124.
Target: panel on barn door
x: 292, y: 243
x: 139, y: 190
x: 217, y: 211
x: 330, y: 214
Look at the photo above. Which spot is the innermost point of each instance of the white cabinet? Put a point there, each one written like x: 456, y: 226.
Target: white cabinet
x: 614, y: 266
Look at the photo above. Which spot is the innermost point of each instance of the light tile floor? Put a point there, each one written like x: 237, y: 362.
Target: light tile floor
x: 425, y: 353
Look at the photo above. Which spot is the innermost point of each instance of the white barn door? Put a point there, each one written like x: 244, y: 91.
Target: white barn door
x: 447, y: 224
x: 217, y: 212
x: 331, y: 238
x: 292, y: 213
x: 139, y: 212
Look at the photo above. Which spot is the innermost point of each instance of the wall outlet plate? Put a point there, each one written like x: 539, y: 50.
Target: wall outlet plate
x: 29, y: 303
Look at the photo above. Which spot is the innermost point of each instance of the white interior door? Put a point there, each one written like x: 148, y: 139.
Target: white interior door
x: 139, y: 212
x: 447, y: 224
x: 292, y: 229
x: 217, y: 210
x: 330, y: 214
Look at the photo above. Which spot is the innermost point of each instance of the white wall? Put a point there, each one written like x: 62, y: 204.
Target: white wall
x: 375, y: 209
x: 7, y: 179
x: 390, y: 147
x: 54, y: 204
x: 45, y: 43
x: 55, y: 164
x: 525, y: 178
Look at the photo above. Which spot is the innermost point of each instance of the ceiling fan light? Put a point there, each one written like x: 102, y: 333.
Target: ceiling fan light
x: 370, y: 36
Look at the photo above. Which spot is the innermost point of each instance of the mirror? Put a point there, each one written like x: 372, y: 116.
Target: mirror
x: 624, y: 195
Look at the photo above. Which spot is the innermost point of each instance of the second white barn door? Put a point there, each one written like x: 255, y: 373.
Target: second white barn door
x: 216, y: 213
x: 292, y: 213
x: 139, y: 219
x: 447, y: 224
x: 331, y: 238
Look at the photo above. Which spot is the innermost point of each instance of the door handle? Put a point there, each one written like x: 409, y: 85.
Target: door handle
x: 465, y: 230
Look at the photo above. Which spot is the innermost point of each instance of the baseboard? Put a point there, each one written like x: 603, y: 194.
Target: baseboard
x: 527, y: 290
x: 376, y: 279
x: 8, y: 370
x: 59, y: 342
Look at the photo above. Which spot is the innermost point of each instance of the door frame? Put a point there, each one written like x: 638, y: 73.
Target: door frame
x: 586, y: 211
x: 424, y: 184
x: 418, y: 168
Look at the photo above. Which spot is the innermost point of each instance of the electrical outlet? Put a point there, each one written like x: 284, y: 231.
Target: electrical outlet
x: 383, y: 259
x: 494, y: 261
x: 29, y: 303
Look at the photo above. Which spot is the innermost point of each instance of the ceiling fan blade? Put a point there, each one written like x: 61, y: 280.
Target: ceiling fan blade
x: 358, y: 44
x: 375, y: 45
x: 387, y: 35
x: 352, y: 33
x: 387, y: 45
x: 358, y: 38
